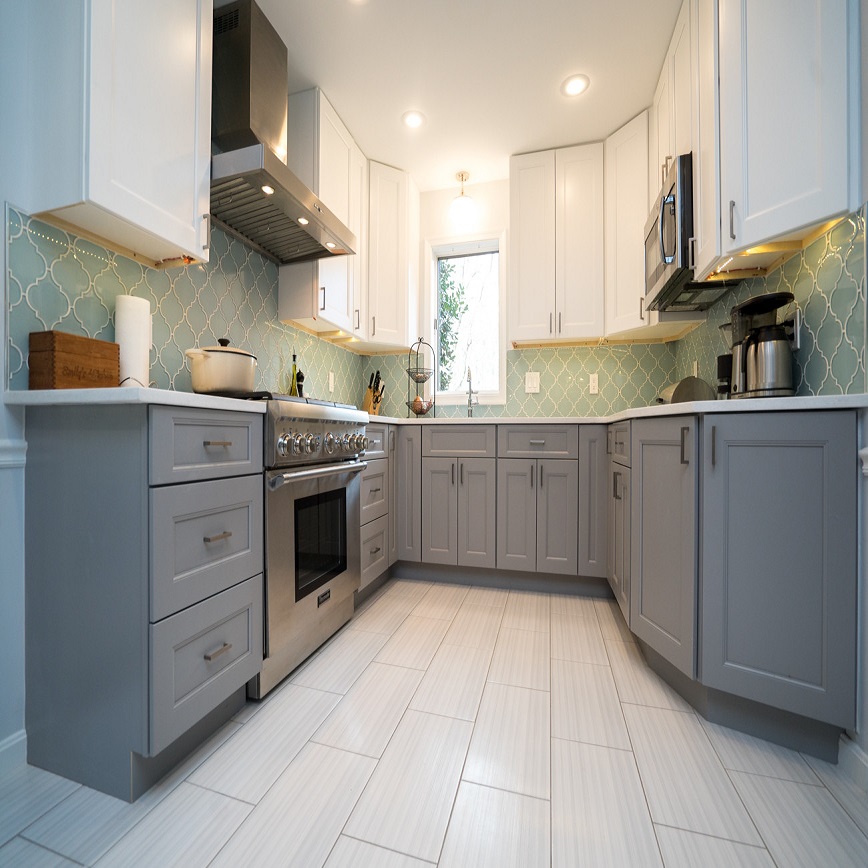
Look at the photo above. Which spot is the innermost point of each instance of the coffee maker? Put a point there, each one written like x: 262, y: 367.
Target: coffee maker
x: 762, y: 348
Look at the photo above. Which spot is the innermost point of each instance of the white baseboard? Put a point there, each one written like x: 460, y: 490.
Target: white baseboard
x: 853, y: 761
x: 13, y: 752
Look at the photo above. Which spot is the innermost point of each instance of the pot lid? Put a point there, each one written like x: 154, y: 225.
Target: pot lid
x: 225, y: 348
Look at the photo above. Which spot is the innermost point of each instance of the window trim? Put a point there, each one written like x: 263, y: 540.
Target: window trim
x: 480, y: 242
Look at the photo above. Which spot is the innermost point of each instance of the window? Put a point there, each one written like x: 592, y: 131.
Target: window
x: 468, y: 310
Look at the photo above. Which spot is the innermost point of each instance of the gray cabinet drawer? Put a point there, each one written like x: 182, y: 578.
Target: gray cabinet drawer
x: 374, y: 549
x: 538, y: 441
x: 190, y: 444
x: 374, y: 490
x: 185, y: 685
x: 618, y: 445
x: 378, y: 440
x: 458, y: 441
x: 205, y: 537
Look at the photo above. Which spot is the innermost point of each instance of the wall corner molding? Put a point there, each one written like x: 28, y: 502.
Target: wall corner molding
x: 13, y: 453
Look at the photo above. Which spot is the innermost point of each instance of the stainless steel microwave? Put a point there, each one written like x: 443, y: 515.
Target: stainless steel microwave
x: 668, y: 237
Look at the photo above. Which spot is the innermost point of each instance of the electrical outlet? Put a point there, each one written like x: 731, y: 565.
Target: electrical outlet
x: 594, y: 384
x: 531, y: 382
x: 331, y: 381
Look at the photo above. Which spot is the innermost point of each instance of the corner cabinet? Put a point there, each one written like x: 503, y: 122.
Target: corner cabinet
x: 407, y: 471
x: 663, y: 546
x: 327, y: 293
x: 126, y: 89
x: 779, y: 585
x: 143, y: 585
x: 556, y: 251
x: 393, y: 266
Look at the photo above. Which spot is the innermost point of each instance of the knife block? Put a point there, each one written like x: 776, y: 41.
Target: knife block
x: 368, y: 404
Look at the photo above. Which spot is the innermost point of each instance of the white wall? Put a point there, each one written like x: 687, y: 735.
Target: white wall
x: 13, y: 96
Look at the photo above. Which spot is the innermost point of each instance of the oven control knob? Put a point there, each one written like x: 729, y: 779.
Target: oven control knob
x: 283, y: 445
x: 357, y: 442
x: 346, y: 446
x: 365, y: 443
x: 309, y: 444
x: 297, y: 444
x: 330, y: 443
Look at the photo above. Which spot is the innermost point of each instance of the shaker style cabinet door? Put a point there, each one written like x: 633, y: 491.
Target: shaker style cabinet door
x: 663, y: 547
x: 407, y: 469
x: 477, y: 521
x: 516, y: 514
x: 780, y: 61
x: 619, y: 536
x: 779, y: 584
x: 439, y: 511
x: 557, y: 519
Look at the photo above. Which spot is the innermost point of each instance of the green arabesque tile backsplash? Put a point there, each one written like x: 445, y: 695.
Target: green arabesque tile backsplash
x: 59, y: 281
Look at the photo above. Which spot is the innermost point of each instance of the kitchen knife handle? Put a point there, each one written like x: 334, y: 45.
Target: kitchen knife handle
x: 220, y: 536
x: 684, y: 432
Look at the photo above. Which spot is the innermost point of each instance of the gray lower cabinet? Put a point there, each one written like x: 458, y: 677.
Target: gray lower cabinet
x: 375, y: 490
x: 593, y: 501
x: 407, y: 467
x: 619, y: 491
x: 537, y: 515
x: 393, y: 495
x: 663, y: 549
x: 374, y: 542
x: 458, y: 511
x: 143, y: 585
x: 779, y: 586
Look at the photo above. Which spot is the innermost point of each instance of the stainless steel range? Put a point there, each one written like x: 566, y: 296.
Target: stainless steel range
x: 313, y: 455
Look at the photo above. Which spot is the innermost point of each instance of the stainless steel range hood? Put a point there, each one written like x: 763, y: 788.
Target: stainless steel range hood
x: 253, y: 194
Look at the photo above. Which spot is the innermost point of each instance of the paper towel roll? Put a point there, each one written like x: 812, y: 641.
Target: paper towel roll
x: 133, y: 335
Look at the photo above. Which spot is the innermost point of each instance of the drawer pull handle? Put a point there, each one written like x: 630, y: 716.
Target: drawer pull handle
x: 213, y: 655
x: 375, y: 490
x: 375, y: 551
x: 207, y: 443
x: 225, y: 535
x: 537, y: 442
x: 684, y: 433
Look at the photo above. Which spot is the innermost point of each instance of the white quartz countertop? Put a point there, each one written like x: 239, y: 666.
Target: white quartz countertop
x: 748, y: 405
x: 129, y: 395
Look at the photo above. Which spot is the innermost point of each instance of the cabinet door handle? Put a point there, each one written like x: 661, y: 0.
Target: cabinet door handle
x: 684, y: 432
x: 220, y: 536
x: 358, y: 319
x: 531, y: 476
x: 461, y: 473
x: 540, y: 476
x: 322, y: 290
x: 207, y: 443
x: 213, y: 655
x: 559, y: 322
x: 550, y: 322
x: 373, y: 326
x: 207, y: 219
x: 375, y: 490
x: 391, y: 441
x: 537, y: 442
x: 732, y: 219
x: 713, y: 445
x: 691, y: 247
x: 641, y: 308
x: 453, y: 473
x: 375, y: 551
x: 615, y: 494
x: 608, y: 441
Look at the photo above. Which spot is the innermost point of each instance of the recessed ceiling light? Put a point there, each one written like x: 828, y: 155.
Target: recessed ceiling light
x: 268, y: 190
x: 413, y: 119
x: 575, y: 84
x: 330, y: 244
x: 303, y: 221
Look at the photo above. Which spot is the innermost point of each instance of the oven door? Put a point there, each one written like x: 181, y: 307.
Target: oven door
x: 312, y: 561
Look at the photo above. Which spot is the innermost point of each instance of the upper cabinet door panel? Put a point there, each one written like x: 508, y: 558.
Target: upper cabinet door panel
x: 579, y: 242
x: 532, y: 245
x: 783, y: 67
x: 150, y: 121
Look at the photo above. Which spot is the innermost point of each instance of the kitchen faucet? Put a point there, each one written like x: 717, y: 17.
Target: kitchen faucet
x: 471, y: 395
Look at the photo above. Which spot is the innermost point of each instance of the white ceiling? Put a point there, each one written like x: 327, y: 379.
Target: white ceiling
x: 485, y: 73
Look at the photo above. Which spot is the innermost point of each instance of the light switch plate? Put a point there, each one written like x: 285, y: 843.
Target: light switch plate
x: 531, y: 382
x: 331, y: 381
x: 594, y: 384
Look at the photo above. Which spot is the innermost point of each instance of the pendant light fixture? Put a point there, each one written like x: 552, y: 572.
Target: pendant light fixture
x: 463, y: 209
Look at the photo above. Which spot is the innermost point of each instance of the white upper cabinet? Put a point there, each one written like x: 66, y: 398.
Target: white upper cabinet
x: 626, y: 213
x: 556, y: 244
x: 321, y: 151
x: 117, y: 144
x: 671, y: 120
x: 785, y: 143
x: 393, y: 257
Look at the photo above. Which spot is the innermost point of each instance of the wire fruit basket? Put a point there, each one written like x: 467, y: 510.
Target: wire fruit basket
x: 419, y: 374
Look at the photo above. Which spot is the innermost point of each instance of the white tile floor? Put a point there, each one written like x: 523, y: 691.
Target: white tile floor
x: 461, y: 727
